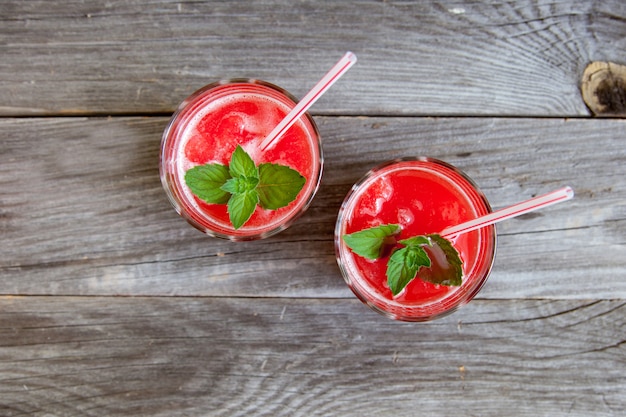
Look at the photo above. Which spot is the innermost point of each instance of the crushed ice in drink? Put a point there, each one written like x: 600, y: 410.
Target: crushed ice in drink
x: 384, y: 191
x: 405, y: 216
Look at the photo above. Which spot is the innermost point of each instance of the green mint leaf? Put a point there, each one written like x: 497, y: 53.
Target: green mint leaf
x: 403, y: 266
x: 205, y: 181
x: 278, y: 185
x: 240, y: 185
x: 231, y: 186
x: 370, y: 243
x: 241, y: 206
x: 416, y: 241
x: 241, y: 165
x: 449, y: 269
x: 417, y: 257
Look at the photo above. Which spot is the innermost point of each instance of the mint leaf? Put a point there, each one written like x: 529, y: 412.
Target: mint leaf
x: 370, y: 243
x: 416, y: 241
x: 278, y: 185
x: 450, y: 266
x: 403, y: 266
x: 241, y: 165
x: 240, y: 185
x: 205, y: 181
x: 241, y: 206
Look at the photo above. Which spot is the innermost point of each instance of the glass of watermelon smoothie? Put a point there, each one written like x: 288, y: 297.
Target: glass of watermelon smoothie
x: 422, y: 196
x: 207, y: 128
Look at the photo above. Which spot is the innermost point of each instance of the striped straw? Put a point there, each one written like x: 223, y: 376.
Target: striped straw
x: 307, y: 101
x: 554, y: 197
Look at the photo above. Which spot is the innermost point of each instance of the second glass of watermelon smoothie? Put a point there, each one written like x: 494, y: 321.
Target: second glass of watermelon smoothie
x: 423, y: 196
x: 210, y: 124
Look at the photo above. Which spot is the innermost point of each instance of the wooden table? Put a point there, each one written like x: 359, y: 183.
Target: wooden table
x: 112, y: 305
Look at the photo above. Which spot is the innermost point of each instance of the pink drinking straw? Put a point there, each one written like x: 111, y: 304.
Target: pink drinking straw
x: 307, y: 101
x: 557, y: 196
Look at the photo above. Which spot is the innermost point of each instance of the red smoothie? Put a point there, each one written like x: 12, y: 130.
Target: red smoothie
x: 207, y: 128
x: 423, y: 196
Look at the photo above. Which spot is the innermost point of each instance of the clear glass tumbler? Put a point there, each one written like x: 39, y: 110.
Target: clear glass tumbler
x: 423, y: 196
x: 208, y: 126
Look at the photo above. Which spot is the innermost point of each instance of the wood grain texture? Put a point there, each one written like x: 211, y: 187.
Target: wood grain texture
x: 112, y: 305
x: 415, y: 58
x: 67, y: 356
x: 83, y: 211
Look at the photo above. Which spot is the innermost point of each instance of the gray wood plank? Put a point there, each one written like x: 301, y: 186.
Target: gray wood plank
x: 82, y: 210
x: 417, y: 58
x: 276, y: 357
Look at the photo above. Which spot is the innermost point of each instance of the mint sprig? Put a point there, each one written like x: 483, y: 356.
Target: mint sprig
x: 242, y: 185
x: 405, y: 262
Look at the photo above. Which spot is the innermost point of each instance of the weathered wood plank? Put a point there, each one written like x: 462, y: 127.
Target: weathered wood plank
x: 288, y: 357
x: 418, y: 58
x: 82, y: 210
